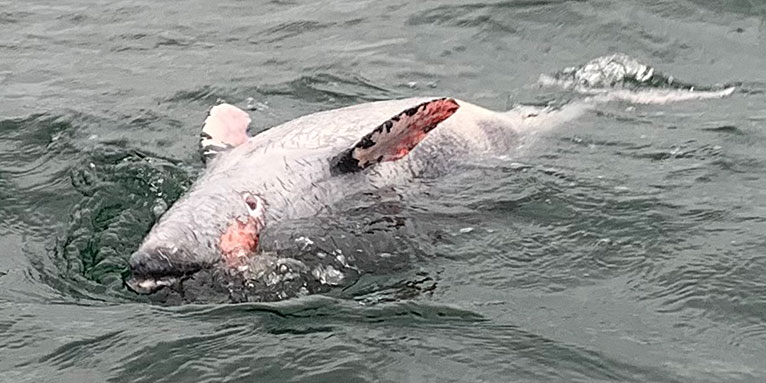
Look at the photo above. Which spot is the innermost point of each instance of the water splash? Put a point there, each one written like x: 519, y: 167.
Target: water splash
x: 122, y: 192
x: 616, y: 71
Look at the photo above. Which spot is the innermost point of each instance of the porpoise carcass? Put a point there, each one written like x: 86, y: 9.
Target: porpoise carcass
x: 303, y: 166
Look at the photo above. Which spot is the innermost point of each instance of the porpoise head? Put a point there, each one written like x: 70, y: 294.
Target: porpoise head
x: 200, y: 231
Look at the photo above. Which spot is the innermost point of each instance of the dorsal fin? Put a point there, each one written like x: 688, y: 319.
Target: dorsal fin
x: 394, y: 138
x: 225, y: 127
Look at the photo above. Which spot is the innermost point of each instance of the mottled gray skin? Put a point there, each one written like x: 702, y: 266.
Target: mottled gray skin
x: 288, y: 167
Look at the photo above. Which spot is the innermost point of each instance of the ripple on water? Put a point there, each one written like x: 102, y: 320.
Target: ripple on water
x: 34, y: 152
x: 703, y: 197
x: 273, y: 103
x: 312, y: 337
x: 290, y: 29
x: 548, y: 230
x: 332, y: 89
x: 119, y: 190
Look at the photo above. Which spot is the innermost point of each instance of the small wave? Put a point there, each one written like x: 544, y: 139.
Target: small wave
x: 206, y: 94
x: 482, y: 14
x: 288, y: 30
x: 14, y: 16
x: 319, y: 309
x: 320, y: 332
x: 617, y: 71
x: 278, y: 102
x: 331, y: 88
x: 33, y: 177
x: 324, y: 88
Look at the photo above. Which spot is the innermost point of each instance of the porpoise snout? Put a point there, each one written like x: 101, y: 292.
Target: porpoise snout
x: 155, y: 268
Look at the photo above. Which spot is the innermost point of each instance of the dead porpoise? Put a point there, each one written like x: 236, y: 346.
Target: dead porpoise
x: 303, y: 166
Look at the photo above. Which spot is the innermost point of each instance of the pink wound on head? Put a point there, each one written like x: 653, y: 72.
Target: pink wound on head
x: 240, y: 241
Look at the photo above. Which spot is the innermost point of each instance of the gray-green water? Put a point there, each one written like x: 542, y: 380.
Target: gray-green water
x: 629, y: 246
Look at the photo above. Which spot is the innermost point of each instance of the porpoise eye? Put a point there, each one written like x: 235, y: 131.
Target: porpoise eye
x: 251, y: 202
x: 255, y: 204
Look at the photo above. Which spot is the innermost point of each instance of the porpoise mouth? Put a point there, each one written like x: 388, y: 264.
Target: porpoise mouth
x: 149, y: 285
x: 153, y: 271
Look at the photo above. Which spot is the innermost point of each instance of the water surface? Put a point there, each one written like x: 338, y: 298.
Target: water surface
x: 625, y: 246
